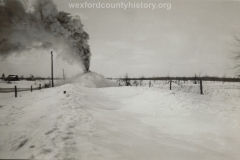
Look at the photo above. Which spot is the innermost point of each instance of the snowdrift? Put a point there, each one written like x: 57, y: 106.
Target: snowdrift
x: 94, y: 80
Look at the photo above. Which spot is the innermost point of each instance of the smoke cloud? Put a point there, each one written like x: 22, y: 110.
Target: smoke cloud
x: 27, y: 25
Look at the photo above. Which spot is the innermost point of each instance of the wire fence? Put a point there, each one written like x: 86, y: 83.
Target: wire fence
x: 16, y: 90
x: 8, y: 90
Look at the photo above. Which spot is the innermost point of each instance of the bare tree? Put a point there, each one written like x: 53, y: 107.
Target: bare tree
x: 135, y: 83
x: 195, y: 79
x: 236, y: 53
x: 119, y: 81
x: 141, y: 80
x: 223, y: 78
x: 127, y: 82
x: 21, y: 77
x: 199, y: 76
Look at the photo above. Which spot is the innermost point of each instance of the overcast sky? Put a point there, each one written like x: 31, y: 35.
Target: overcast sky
x: 192, y: 37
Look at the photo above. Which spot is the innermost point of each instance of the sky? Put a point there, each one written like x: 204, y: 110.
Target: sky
x: 193, y: 37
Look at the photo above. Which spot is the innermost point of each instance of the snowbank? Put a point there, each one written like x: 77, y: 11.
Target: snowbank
x: 94, y: 80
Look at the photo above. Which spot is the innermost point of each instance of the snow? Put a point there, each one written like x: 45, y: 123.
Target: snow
x: 121, y: 123
x: 93, y: 80
x: 223, y: 90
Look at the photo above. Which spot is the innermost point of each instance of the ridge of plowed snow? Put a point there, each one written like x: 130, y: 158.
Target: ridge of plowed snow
x: 94, y: 80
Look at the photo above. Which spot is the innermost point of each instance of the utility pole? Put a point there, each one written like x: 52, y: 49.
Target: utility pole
x: 52, y: 68
x: 63, y: 75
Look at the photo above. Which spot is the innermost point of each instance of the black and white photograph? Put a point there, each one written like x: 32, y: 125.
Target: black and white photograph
x: 120, y: 79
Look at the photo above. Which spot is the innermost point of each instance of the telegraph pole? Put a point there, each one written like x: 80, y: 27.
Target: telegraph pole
x: 63, y: 75
x: 52, y: 68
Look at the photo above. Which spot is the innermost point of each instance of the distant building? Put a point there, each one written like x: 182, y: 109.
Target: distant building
x: 12, y: 78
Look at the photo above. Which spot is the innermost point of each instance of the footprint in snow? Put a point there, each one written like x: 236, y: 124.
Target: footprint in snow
x: 49, y: 132
x: 69, y: 133
x: 32, y: 146
x: 32, y: 157
x: 70, y: 142
x: 46, y: 151
x: 71, y: 126
x: 21, y: 144
x: 67, y: 138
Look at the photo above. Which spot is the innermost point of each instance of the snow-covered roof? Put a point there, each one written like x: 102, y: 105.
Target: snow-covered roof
x: 12, y: 76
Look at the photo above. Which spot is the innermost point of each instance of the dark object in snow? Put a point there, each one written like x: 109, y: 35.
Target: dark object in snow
x: 64, y: 92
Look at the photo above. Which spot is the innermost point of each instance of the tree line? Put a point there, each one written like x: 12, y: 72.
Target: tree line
x: 194, y: 78
x: 31, y: 77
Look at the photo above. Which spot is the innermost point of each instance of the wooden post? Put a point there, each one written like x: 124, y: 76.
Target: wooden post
x: 31, y: 88
x: 201, y: 88
x: 170, y: 84
x: 15, y: 91
x: 52, y: 68
x: 39, y: 86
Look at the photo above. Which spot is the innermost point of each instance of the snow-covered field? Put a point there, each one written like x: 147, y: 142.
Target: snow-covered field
x: 22, y: 84
x: 28, y: 84
x: 127, y: 123
x: 225, y: 90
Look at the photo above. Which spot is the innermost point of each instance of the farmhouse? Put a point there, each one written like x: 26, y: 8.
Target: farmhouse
x: 12, y: 78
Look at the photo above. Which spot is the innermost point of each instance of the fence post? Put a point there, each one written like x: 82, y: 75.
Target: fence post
x: 15, y: 91
x: 170, y: 84
x: 201, y: 89
x: 39, y: 86
x: 31, y: 88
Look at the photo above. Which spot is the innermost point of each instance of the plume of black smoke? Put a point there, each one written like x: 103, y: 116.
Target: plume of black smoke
x: 40, y: 25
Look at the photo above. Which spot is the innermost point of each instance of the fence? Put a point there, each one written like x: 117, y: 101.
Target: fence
x: 216, y: 79
x: 200, y: 86
x: 16, y: 90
